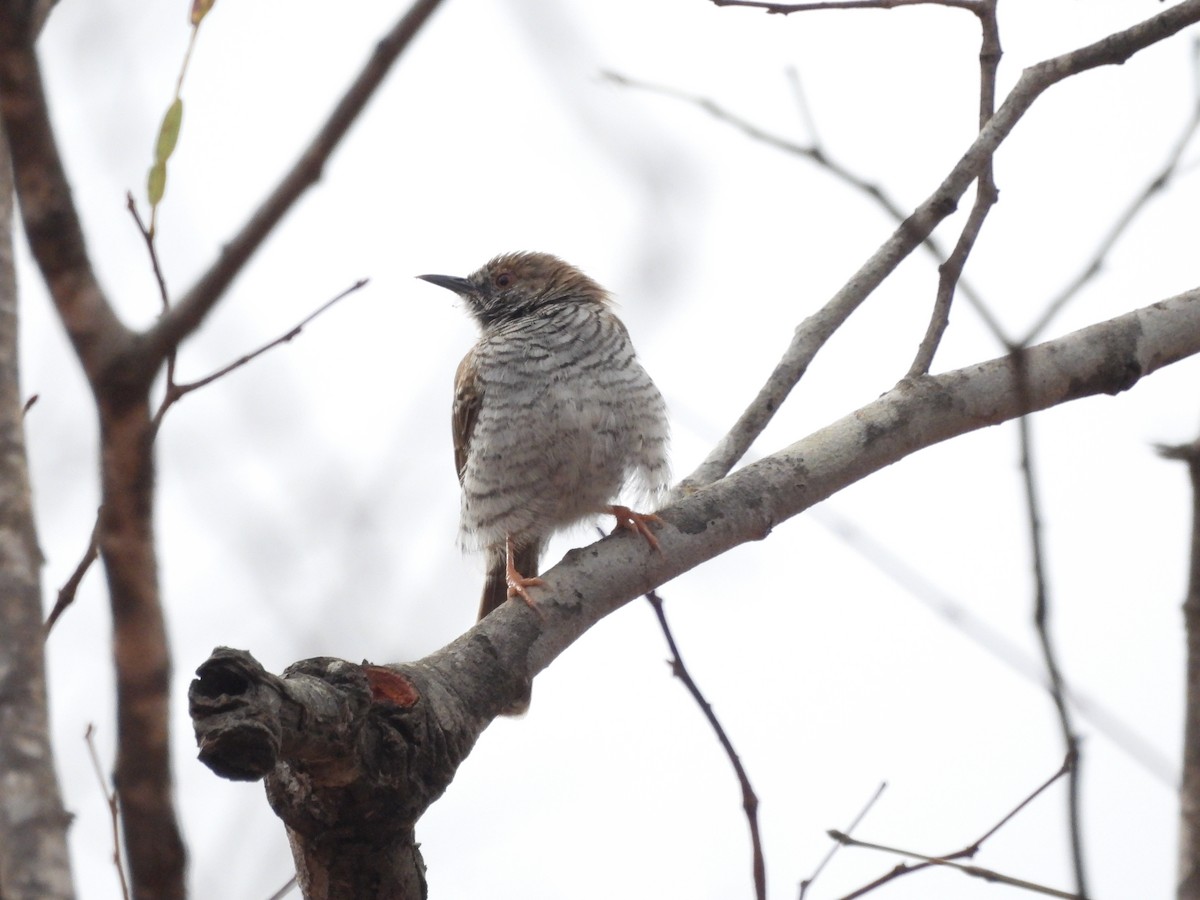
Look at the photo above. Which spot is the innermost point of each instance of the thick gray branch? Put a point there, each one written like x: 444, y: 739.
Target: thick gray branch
x: 351, y: 758
x: 354, y: 753
x: 1103, y: 359
x: 367, y: 748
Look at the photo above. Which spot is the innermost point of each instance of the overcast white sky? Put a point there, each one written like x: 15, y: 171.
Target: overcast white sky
x: 308, y: 504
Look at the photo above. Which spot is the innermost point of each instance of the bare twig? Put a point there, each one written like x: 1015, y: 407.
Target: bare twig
x: 1041, y: 620
x: 837, y: 845
x: 1188, y: 875
x: 820, y: 156
x: 749, y: 798
x: 968, y: 852
x: 66, y: 594
x: 152, y: 249
x: 806, y: 116
x: 1170, y: 170
x: 33, y: 398
x: 285, y: 890
x: 926, y: 861
x: 1070, y: 762
x: 784, y: 9
x: 950, y: 272
x: 114, y: 812
x: 175, y: 392
x: 812, y: 334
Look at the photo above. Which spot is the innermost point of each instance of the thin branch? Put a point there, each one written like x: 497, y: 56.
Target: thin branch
x: 950, y: 272
x: 837, y: 845
x: 1041, y: 618
x: 785, y: 9
x: 802, y: 105
x: 152, y: 250
x: 175, y: 392
x: 187, y: 315
x: 285, y: 890
x: 749, y: 798
x: 33, y: 398
x: 1169, y: 171
x: 819, y: 156
x: 66, y: 594
x: 1069, y: 765
x: 814, y: 331
x: 926, y: 861
x: 1188, y: 873
x: 968, y: 852
x: 114, y: 813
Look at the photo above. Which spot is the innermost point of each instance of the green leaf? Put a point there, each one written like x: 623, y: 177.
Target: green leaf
x: 168, y: 134
x: 156, y: 183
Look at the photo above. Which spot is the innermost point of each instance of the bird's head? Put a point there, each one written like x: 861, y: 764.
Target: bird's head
x: 520, y: 284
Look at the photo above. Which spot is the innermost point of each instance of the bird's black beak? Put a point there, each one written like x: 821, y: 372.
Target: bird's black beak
x: 450, y: 282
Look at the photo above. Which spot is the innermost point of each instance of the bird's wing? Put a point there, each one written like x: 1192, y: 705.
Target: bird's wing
x: 468, y: 396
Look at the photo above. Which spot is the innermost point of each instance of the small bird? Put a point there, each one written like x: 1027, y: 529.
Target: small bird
x: 553, y: 416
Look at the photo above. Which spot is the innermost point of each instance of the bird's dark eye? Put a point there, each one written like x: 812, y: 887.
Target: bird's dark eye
x: 503, y: 279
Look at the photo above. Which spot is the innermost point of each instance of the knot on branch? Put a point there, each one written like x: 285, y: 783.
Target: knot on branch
x: 340, y: 744
x: 235, y: 712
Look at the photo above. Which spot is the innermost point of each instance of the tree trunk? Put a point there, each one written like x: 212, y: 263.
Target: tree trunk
x: 33, y: 825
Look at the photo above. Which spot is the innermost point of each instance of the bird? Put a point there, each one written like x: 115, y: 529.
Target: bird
x: 553, y: 417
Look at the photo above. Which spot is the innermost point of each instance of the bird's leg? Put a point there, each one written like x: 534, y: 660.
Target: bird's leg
x: 639, y: 523
x: 518, y: 583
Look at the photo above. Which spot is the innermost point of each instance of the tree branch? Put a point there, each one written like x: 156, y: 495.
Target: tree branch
x: 950, y: 272
x: 120, y: 367
x: 48, y: 214
x: 758, y: 864
x: 351, y: 760
x: 1055, y: 683
x: 114, y: 809
x: 418, y: 721
x: 175, y: 392
x: 66, y: 594
x: 1188, y: 877
x: 814, y: 331
x: 837, y: 845
x: 1157, y: 183
x: 33, y: 825
x: 1106, y: 358
x: 785, y: 9
x: 968, y: 852
x: 817, y: 154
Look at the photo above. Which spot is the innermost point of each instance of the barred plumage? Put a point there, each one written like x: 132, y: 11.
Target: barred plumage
x: 553, y: 414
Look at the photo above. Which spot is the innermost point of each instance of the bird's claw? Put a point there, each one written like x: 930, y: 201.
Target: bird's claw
x: 638, y: 523
x: 518, y: 584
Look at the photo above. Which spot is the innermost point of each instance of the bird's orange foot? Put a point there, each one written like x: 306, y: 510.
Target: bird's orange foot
x: 639, y: 523
x: 518, y: 584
